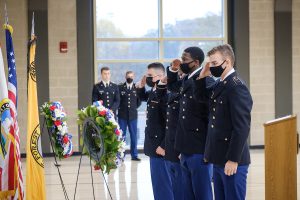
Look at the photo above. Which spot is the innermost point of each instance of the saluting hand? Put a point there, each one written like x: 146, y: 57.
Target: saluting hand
x: 164, y: 79
x: 205, y: 71
x: 142, y: 82
x: 160, y: 151
x: 230, y: 168
x: 175, y: 65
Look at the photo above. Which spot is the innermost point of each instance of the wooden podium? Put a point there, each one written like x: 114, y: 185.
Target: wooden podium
x: 281, y: 148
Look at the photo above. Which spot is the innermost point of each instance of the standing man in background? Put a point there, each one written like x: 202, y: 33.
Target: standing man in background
x: 127, y: 113
x: 230, y: 105
x: 106, y: 91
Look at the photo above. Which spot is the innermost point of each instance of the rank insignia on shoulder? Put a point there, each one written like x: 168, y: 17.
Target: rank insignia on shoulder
x: 236, y: 80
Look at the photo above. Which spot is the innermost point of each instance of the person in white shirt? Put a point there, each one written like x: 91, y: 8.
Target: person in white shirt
x: 106, y: 91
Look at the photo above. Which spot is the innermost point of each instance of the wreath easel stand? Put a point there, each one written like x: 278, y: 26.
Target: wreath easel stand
x: 55, y: 161
x: 89, y: 127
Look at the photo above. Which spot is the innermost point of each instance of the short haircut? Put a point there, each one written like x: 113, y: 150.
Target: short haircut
x: 129, y: 72
x: 104, y: 69
x: 157, y: 66
x: 226, y: 51
x: 196, y: 53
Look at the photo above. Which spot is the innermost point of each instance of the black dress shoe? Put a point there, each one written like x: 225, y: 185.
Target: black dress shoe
x: 136, y: 159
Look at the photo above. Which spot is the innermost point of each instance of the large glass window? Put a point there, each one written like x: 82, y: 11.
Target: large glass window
x: 130, y: 34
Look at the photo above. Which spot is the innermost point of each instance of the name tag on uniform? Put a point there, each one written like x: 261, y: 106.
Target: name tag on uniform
x: 154, y: 101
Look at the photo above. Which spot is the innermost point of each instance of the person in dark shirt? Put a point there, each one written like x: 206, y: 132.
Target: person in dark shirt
x: 154, y: 145
x: 106, y: 91
x: 127, y: 113
x: 174, y: 168
x: 192, y: 126
x: 230, y: 105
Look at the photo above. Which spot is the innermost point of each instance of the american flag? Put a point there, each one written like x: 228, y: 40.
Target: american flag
x: 13, y: 167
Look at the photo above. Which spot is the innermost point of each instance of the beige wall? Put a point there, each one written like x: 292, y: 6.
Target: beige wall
x: 296, y: 59
x: 262, y: 66
x: 63, y: 66
x: 17, y: 13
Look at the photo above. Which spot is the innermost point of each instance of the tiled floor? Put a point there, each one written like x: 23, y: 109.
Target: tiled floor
x: 131, y: 181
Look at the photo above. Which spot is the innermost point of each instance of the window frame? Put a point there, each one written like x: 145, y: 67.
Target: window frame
x: 160, y: 40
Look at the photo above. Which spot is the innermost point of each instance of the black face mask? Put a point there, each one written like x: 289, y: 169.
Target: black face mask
x: 149, y: 81
x: 217, y: 71
x: 185, y: 67
x: 129, y: 80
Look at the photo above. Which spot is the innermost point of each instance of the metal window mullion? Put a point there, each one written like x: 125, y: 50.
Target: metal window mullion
x: 161, y: 35
x: 125, y: 39
x: 160, y: 38
x: 126, y: 61
x: 95, y: 42
x: 225, y: 21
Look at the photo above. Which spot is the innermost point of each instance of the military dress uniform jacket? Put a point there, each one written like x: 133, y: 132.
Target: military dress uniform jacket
x: 129, y: 102
x: 230, y: 105
x: 156, y: 119
x: 109, y: 95
x: 193, y: 115
x: 171, y: 126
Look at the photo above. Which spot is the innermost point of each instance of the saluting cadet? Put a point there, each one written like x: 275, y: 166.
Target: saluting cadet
x: 127, y: 113
x: 230, y: 105
x: 192, y: 126
x: 174, y: 168
x: 154, y: 144
x: 106, y: 91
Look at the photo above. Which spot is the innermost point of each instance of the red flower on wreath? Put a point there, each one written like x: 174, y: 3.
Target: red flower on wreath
x: 66, y: 139
x: 97, y: 167
x: 52, y: 108
x: 102, y: 113
x: 57, y: 123
x: 118, y: 132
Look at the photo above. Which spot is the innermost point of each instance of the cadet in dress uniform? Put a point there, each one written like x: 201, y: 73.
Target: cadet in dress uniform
x: 127, y: 113
x: 192, y: 126
x: 171, y: 155
x: 106, y: 91
x: 154, y: 144
x: 230, y: 106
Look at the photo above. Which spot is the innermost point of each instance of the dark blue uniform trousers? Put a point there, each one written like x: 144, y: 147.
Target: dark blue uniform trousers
x: 230, y: 187
x: 197, y: 177
x: 161, y: 182
x: 132, y: 126
x: 174, y: 170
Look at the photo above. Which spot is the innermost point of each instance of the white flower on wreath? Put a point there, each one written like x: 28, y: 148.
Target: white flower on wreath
x: 122, y: 154
x: 64, y: 129
x: 57, y: 113
x: 121, y: 147
x: 60, y: 128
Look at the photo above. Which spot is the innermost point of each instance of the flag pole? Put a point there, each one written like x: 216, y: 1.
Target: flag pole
x: 6, y: 15
x: 32, y: 25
